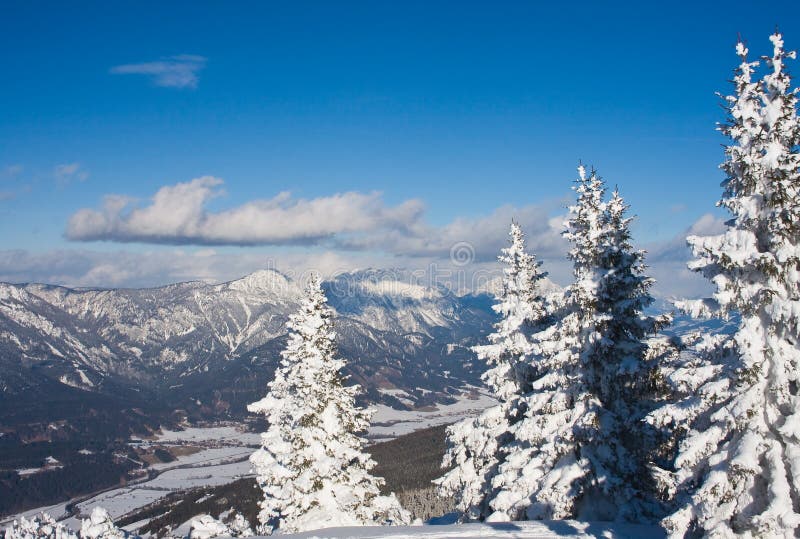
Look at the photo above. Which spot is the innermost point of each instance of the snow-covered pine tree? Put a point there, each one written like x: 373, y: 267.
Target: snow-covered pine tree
x: 41, y: 526
x: 311, y: 466
x: 99, y: 525
x: 737, y: 471
x: 474, y: 444
x: 578, y: 451
x: 621, y: 360
x: 545, y: 440
x: 208, y: 527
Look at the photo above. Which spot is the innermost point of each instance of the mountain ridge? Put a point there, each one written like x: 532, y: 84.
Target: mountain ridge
x: 217, y: 344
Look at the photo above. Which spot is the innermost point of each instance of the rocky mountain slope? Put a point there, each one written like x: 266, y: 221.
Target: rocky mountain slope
x: 208, y: 349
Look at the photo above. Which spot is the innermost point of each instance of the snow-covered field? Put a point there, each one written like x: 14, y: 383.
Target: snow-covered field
x: 388, y: 423
x: 222, y: 445
x: 223, y: 435
x: 505, y: 530
x: 223, y: 460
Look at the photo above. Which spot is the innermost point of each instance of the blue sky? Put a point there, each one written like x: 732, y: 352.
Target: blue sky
x: 451, y: 110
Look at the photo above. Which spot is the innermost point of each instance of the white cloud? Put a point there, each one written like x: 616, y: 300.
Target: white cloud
x: 349, y: 231
x: 668, y: 262
x: 352, y: 221
x: 707, y: 225
x: 177, y: 215
x: 677, y: 248
x: 485, y: 235
x: 356, y: 229
x: 178, y: 71
x: 69, y: 172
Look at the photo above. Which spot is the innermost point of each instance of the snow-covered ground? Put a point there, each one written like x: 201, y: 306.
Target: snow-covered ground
x: 222, y: 444
x: 223, y: 435
x: 222, y: 460
x: 50, y: 463
x: 388, y: 423
x: 505, y: 530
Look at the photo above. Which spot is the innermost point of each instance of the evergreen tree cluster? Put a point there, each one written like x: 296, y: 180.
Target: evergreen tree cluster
x: 42, y: 526
x: 574, y: 375
x: 599, y: 414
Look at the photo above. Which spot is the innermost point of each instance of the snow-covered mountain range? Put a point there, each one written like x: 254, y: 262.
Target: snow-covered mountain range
x: 215, y: 346
x: 206, y: 350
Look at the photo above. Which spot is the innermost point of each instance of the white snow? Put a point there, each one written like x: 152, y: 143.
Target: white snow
x: 222, y: 434
x: 388, y: 423
x: 398, y: 289
x: 504, y: 530
x: 29, y: 471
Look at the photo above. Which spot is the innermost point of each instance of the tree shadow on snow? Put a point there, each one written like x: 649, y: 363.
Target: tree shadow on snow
x: 560, y: 527
x: 503, y: 526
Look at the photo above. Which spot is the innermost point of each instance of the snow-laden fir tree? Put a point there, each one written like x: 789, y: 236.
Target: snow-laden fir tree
x: 208, y: 527
x: 311, y: 466
x: 41, y: 526
x: 579, y: 451
x: 99, y: 525
x: 475, y: 444
x: 737, y: 471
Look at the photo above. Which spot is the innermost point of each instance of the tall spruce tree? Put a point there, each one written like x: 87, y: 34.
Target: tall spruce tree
x: 622, y: 359
x: 737, y: 471
x: 475, y: 445
x: 311, y: 466
x: 578, y: 451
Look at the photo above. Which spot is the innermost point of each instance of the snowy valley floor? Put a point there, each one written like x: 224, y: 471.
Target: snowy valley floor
x: 220, y: 458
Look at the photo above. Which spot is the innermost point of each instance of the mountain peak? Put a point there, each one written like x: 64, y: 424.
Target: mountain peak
x: 263, y: 281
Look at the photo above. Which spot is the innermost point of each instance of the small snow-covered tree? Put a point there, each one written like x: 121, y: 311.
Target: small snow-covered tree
x: 737, y: 471
x: 99, y: 525
x: 208, y: 527
x: 239, y: 526
x: 475, y: 444
x: 311, y: 466
x: 577, y: 452
x: 41, y: 526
